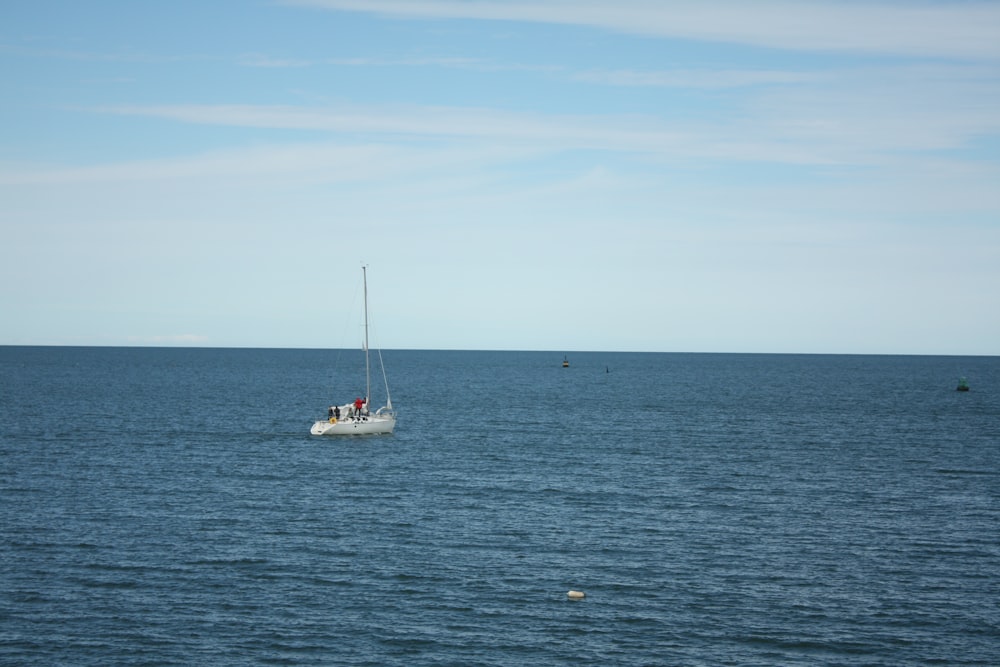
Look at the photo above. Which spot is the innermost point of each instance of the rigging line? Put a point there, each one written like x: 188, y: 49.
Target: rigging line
x: 381, y: 364
x: 378, y: 349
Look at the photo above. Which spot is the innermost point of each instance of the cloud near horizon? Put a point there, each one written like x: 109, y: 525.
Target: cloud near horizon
x: 169, y: 339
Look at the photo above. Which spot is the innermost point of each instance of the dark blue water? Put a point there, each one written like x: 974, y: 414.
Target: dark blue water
x: 168, y: 507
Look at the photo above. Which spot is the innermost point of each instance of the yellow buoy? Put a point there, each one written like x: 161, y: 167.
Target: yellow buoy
x: 576, y: 595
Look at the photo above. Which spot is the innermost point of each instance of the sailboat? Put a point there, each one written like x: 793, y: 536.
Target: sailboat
x: 356, y: 418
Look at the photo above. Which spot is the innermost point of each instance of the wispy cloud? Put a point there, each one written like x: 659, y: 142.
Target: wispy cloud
x: 706, y: 79
x: 92, y: 56
x: 927, y: 29
x: 269, y: 165
x: 416, y: 61
x: 264, y: 61
x: 313, y: 162
x: 445, y: 62
x: 490, y: 130
x: 852, y: 117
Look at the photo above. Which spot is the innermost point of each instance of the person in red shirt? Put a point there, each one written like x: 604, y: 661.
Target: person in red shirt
x: 357, y: 407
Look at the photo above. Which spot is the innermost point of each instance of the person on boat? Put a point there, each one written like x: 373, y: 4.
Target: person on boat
x: 358, y: 403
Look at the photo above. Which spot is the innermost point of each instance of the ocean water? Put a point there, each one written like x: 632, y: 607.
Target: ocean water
x: 169, y: 507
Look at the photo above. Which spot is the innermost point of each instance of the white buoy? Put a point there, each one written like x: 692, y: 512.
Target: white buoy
x: 576, y: 595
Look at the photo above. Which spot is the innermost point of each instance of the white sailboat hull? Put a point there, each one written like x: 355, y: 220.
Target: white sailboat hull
x: 374, y: 424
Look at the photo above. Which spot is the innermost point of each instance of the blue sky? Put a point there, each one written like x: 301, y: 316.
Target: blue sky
x: 819, y: 177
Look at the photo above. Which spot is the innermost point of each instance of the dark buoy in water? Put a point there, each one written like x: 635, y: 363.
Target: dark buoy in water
x: 963, y: 385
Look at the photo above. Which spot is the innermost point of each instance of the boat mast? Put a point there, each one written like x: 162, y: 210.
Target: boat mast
x: 368, y: 371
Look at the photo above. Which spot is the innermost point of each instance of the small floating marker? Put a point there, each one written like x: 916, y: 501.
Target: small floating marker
x: 576, y: 595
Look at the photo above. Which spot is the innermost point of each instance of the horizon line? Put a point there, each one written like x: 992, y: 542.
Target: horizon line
x: 534, y: 351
